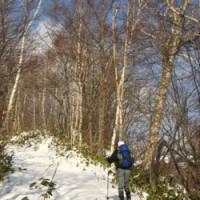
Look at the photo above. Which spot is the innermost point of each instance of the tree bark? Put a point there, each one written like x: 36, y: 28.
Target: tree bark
x: 102, y: 90
x: 77, y: 97
x: 114, y: 135
x: 34, y: 110
x: 118, y: 130
x: 8, y: 119
x: 170, y: 50
x: 44, y: 93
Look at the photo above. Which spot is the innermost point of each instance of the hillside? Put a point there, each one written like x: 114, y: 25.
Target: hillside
x: 74, y: 178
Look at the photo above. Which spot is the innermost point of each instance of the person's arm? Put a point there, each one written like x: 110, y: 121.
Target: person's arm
x: 113, y: 157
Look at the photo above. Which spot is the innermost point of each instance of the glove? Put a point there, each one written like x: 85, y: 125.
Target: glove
x: 110, y: 172
x: 108, y: 160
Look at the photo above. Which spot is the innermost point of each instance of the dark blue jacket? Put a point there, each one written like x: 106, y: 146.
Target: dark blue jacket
x: 114, y: 158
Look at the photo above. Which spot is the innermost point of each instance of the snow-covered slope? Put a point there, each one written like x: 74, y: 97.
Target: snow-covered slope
x: 74, y: 178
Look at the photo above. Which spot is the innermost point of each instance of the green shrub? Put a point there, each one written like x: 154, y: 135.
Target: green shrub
x: 25, y: 198
x: 28, y: 138
x: 5, y: 163
x: 165, y: 189
x: 195, y: 194
x: 46, y: 184
x: 93, y: 158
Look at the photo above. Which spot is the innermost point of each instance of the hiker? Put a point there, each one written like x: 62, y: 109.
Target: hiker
x: 123, y: 163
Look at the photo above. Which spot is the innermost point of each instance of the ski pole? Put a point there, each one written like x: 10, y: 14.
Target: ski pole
x: 107, y: 197
x: 109, y: 172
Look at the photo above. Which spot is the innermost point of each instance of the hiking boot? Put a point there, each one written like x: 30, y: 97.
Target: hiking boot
x: 128, y: 195
x: 121, y: 195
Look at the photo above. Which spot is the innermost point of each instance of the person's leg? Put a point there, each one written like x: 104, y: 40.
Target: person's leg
x: 120, y: 181
x: 126, y: 184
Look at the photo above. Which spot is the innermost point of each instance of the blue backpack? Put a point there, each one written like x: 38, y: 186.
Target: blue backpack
x: 125, y: 159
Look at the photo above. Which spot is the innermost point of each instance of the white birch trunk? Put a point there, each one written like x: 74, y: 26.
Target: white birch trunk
x: 11, y: 102
x: 44, y: 93
x: 72, y: 120
x: 80, y: 85
x: 56, y: 108
x: 22, y: 113
x: 34, y: 110
x: 77, y: 86
x: 51, y: 120
x: 118, y: 127
x: 122, y: 79
x: 43, y: 108
x: 114, y: 135
x: 166, y: 73
x: 80, y: 113
x: 18, y: 112
x: 14, y: 89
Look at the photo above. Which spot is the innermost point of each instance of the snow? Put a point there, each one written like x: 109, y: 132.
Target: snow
x: 75, y: 179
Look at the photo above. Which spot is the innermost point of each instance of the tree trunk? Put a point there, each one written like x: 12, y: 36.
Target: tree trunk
x: 23, y: 110
x: 119, y: 79
x: 80, y: 113
x: 114, y: 135
x: 77, y: 87
x: 167, y: 67
x: 8, y: 119
x: 101, y: 122
x: 44, y: 93
x: 34, y: 110
x: 102, y: 88
x: 18, y: 112
x: 170, y: 50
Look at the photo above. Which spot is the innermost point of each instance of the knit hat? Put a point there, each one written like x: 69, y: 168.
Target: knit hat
x: 120, y: 143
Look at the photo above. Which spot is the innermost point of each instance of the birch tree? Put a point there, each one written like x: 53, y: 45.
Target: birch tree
x: 130, y: 25
x: 12, y: 98
x: 114, y: 14
x: 8, y: 40
x: 102, y: 90
x: 77, y: 113
x: 44, y: 94
x: 170, y: 48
